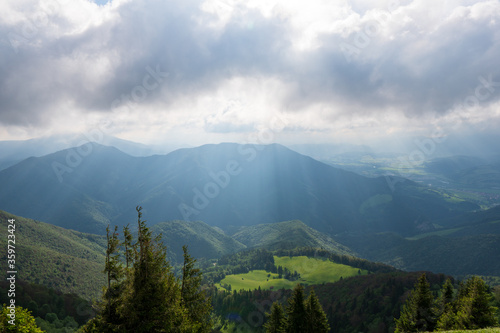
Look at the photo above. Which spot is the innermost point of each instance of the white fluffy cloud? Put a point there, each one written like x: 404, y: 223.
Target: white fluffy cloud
x: 219, y: 70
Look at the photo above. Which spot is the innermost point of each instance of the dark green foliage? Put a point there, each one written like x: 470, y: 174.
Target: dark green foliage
x: 241, y: 262
x: 70, y: 309
x: 418, y: 314
x: 204, y: 241
x: 444, y: 302
x: 316, y: 319
x: 60, y: 259
x: 296, y: 311
x: 276, y: 319
x: 151, y: 299
x: 456, y: 256
x: 472, y: 308
x: 302, y: 315
x: 195, y: 302
x: 496, y: 296
x: 143, y: 295
x: 129, y: 247
x: 286, y: 236
x: 366, y: 303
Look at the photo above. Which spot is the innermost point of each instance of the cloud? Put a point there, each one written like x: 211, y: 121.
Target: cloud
x: 339, y: 66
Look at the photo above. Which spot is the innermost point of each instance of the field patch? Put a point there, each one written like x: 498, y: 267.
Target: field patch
x: 311, y: 270
x: 317, y: 270
x: 254, y: 280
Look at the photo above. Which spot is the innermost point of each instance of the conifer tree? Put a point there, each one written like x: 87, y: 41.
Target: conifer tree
x: 417, y: 314
x: 276, y: 319
x: 446, y: 293
x: 193, y: 299
x: 296, y: 311
x: 444, y: 306
x: 149, y: 298
x: 483, y: 313
x: 130, y: 251
x: 113, y: 270
x: 317, y: 321
x: 152, y: 304
x: 472, y: 309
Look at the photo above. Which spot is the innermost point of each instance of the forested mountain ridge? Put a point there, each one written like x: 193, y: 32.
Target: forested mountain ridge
x: 458, y: 256
x: 66, y: 260
x: 203, y: 240
x: 287, y: 235
x: 71, y: 261
x: 224, y: 185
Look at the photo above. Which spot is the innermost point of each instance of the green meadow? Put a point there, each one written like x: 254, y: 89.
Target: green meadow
x: 311, y: 270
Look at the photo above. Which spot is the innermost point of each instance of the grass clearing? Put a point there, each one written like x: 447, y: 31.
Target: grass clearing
x: 317, y: 270
x: 311, y: 270
x: 254, y: 280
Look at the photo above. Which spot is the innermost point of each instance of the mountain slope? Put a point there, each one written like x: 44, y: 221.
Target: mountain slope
x: 458, y: 256
x: 65, y: 260
x: 224, y: 185
x: 473, y: 223
x: 202, y: 240
x: 13, y: 152
x: 73, y: 262
x: 287, y: 235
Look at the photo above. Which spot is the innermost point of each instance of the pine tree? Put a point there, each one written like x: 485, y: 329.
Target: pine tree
x: 473, y: 306
x: 130, y: 250
x: 317, y: 321
x: 417, y: 314
x: 296, y: 311
x: 446, y: 294
x: 148, y: 297
x: 276, y: 319
x: 110, y: 318
x: 153, y: 302
x: 192, y: 298
x: 445, y: 307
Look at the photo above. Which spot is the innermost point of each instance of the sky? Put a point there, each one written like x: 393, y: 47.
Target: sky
x: 194, y: 72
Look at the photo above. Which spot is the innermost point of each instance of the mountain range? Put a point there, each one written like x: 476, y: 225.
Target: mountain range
x: 221, y: 199
x: 72, y: 261
x: 226, y: 185
x: 14, y: 151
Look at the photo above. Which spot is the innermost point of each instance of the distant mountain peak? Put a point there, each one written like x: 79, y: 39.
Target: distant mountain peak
x: 226, y: 185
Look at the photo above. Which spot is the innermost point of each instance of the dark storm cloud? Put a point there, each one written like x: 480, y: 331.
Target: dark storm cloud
x: 439, y: 74
x: 159, y: 35
x: 416, y: 71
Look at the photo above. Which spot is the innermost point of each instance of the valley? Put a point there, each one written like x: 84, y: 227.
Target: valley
x: 259, y: 220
